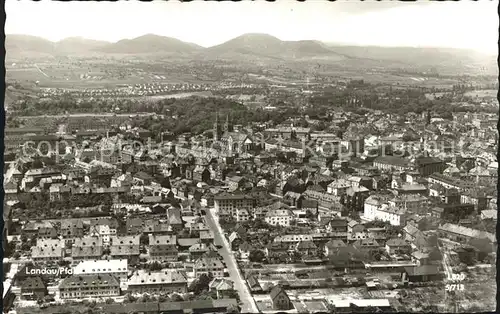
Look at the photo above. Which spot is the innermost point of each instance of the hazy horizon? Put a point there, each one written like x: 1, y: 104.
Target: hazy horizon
x: 460, y: 25
x: 333, y: 44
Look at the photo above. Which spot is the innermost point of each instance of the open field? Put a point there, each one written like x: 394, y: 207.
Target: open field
x: 26, y: 74
x: 401, y: 80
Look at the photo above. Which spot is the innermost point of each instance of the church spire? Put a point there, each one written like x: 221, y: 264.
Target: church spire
x: 228, y: 127
x: 216, y: 128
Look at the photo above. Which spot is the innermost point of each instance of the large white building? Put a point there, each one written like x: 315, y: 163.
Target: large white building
x: 280, y: 217
x: 115, y: 267
x: 379, y: 209
x: 227, y: 204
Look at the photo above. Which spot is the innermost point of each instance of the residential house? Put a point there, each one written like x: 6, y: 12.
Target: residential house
x: 72, y: 228
x: 33, y: 288
x: 163, y: 247
x: 307, y: 249
x: 244, y: 249
x: 253, y: 284
x: 414, y: 236
x: 234, y: 240
x: 201, y: 174
x: 223, y: 287
x: 478, y: 198
x: 276, y: 249
x: 157, y: 282
x: 46, y: 254
x: 157, y: 227
x: 280, y: 217
x: 354, y: 226
x: 242, y: 215
x: 125, y: 247
x: 85, y: 286
x: 367, y: 245
x: 338, y: 187
x: 134, y: 226
x: 206, y: 265
x: 337, y: 224
x: 280, y: 299
x: 420, y: 257
x: 332, y: 245
x: 463, y: 234
x: 83, y: 253
x: 142, y: 178
x: 355, y: 197
x: 234, y: 182
x: 421, y: 274
x: 410, y: 202
x: 47, y: 233
x: 226, y: 204
x: 198, y: 249
x: 174, y: 216
x: 397, y: 246
x: 310, y: 206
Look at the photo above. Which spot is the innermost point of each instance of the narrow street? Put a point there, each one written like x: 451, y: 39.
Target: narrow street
x: 9, y: 173
x: 447, y: 268
x: 248, y: 305
x: 14, y: 268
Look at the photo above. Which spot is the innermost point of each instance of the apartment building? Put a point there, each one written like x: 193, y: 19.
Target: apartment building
x: 169, y: 281
x: 89, y: 286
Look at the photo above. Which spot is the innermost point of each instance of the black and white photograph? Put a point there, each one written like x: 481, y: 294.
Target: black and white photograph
x: 297, y: 157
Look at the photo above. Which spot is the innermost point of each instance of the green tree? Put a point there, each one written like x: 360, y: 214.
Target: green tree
x: 256, y: 256
x: 200, y: 284
x: 144, y: 239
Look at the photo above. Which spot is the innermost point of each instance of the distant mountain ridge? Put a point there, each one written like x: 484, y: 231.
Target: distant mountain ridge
x: 256, y: 47
x: 18, y: 44
x: 267, y: 45
x: 416, y: 55
x: 150, y: 43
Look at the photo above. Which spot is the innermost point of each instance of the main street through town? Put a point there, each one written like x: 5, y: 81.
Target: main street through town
x: 248, y: 305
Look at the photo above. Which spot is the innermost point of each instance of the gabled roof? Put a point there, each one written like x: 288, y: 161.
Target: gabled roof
x: 277, y: 290
x: 221, y: 284
x: 396, y: 242
x: 101, y: 280
x: 233, y: 237
x: 34, y: 282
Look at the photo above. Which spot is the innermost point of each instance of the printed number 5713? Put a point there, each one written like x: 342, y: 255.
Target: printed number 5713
x: 455, y: 287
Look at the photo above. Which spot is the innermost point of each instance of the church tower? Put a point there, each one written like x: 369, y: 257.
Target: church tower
x: 217, y: 132
x: 428, y: 118
x: 228, y: 127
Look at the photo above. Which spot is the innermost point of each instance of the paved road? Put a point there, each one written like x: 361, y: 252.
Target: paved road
x: 249, y: 305
x: 446, y: 266
x: 9, y: 173
x: 14, y: 268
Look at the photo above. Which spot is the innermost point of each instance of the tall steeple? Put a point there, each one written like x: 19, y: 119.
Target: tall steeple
x: 216, y: 129
x: 228, y: 127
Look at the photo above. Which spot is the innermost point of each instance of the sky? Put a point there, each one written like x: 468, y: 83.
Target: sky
x: 462, y: 24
